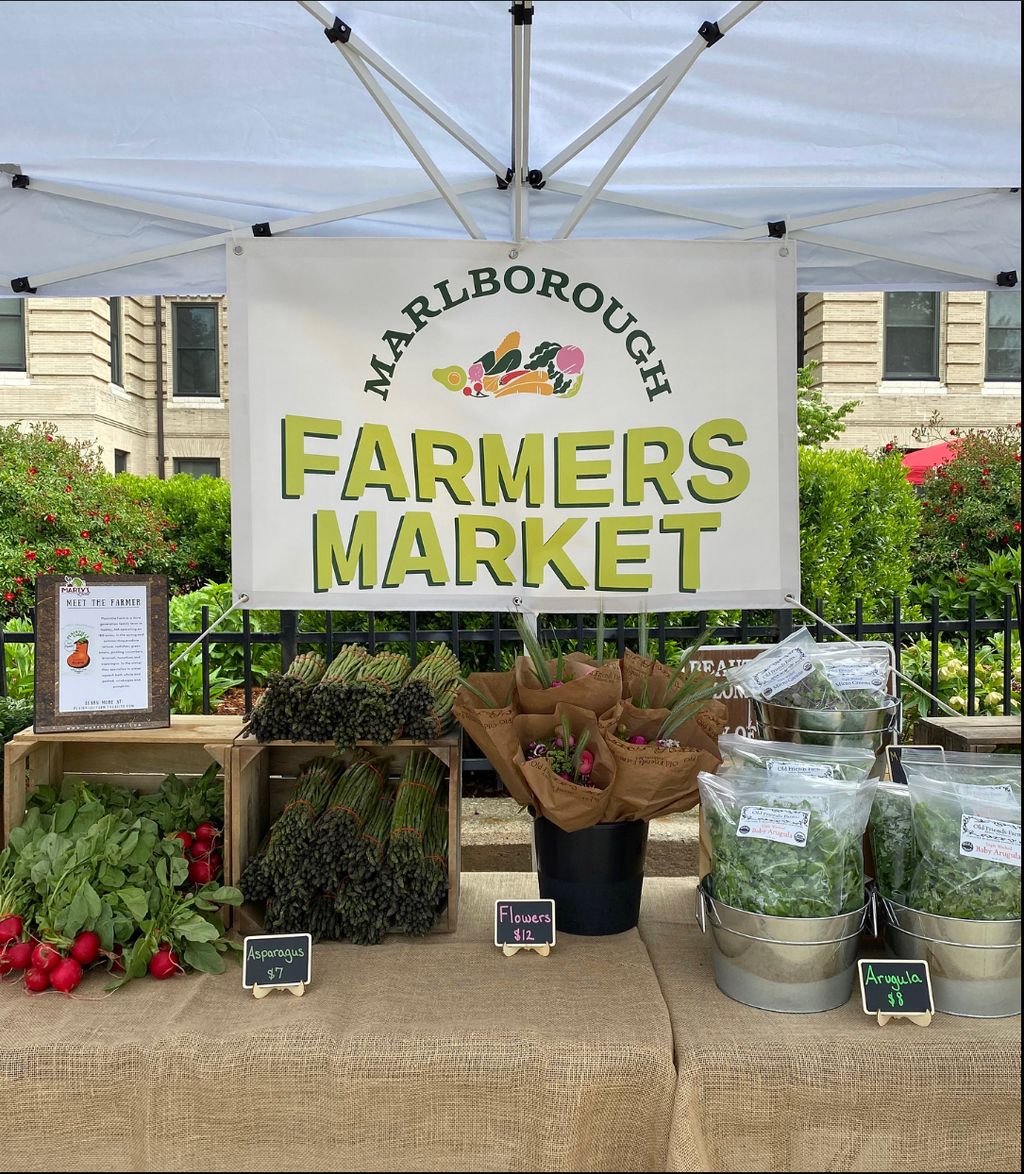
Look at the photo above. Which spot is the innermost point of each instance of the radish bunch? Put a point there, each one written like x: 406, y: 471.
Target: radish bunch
x: 43, y: 965
x: 200, y: 848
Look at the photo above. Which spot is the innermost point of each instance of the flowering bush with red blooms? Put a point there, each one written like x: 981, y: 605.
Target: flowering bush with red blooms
x: 971, y: 504
x: 62, y: 513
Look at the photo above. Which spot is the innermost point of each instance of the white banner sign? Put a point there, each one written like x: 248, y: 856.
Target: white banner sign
x: 450, y: 425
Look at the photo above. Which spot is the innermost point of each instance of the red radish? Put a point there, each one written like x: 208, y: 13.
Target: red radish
x: 215, y: 860
x: 5, y: 962
x: 185, y: 837
x: 65, y: 976
x: 164, y: 963
x: 206, y: 831
x: 86, y: 949
x: 19, y: 955
x: 45, y: 957
x: 11, y: 928
x: 36, y: 980
x: 200, y: 872
x: 200, y: 849
x: 116, y: 961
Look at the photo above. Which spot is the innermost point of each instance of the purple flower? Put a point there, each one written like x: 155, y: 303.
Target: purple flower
x: 638, y: 740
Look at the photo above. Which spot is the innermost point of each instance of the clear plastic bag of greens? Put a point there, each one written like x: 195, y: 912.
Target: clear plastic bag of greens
x: 790, y: 758
x: 968, y: 839
x: 787, y: 674
x: 859, y: 673
x: 786, y: 846
x: 964, y: 769
x: 891, y: 836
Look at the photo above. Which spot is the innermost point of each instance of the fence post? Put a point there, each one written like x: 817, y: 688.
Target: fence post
x: 289, y: 638
x: 785, y: 622
x: 972, y: 651
x: 935, y: 634
x: 1008, y: 601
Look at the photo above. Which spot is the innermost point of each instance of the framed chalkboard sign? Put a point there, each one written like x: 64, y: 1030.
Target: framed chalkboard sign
x: 891, y: 988
x: 277, y: 960
x: 102, y: 658
x: 524, y: 925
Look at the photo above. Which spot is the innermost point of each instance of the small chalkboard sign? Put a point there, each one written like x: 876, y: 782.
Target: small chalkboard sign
x: 896, y: 987
x: 273, y: 961
x: 895, y: 757
x: 524, y: 925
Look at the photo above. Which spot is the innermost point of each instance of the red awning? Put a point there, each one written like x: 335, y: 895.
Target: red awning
x: 918, y: 463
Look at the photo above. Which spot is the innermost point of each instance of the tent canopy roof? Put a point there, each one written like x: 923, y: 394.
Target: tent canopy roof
x: 239, y: 114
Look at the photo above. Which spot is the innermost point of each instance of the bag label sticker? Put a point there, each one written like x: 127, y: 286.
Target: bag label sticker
x: 856, y: 674
x: 785, y: 670
x: 990, y: 839
x: 809, y: 770
x: 998, y: 793
x: 780, y: 824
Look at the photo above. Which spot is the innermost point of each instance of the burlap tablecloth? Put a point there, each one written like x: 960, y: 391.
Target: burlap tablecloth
x: 437, y: 1054
x: 834, y: 1091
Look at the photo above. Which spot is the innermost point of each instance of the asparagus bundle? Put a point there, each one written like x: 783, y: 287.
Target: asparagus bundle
x: 323, y: 920
x: 419, y: 890
x: 287, y: 857
x: 329, y: 698
x: 254, y: 881
x: 364, y: 904
x: 288, y: 910
x: 366, y: 853
x: 280, y: 712
x: 428, y: 712
x: 352, y: 802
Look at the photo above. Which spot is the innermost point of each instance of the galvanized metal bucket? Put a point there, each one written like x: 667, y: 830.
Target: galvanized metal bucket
x: 974, y: 965
x: 855, y: 729
x: 793, y: 964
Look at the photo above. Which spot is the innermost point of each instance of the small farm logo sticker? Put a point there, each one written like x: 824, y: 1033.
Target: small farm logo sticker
x: 551, y: 369
x: 74, y: 585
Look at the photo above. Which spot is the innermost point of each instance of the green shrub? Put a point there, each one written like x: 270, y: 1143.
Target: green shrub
x: 971, y: 504
x: 990, y: 582
x: 62, y: 513
x: 858, y: 522
x: 953, y: 677
x: 816, y: 420
x: 199, y: 510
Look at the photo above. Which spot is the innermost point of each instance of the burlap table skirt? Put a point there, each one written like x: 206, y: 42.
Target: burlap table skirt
x: 834, y: 1091
x: 438, y: 1054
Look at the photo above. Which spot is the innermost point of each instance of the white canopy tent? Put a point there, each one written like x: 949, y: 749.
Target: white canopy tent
x: 882, y: 139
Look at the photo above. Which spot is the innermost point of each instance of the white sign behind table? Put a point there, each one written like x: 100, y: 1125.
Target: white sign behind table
x: 444, y: 425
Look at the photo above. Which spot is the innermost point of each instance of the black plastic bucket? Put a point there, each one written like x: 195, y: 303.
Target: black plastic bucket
x: 595, y: 876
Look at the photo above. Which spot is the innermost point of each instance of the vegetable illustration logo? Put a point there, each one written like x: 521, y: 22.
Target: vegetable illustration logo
x: 79, y: 658
x: 552, y: 369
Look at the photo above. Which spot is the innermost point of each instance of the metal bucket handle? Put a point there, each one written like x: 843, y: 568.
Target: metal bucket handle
x: 890, y: 914
x: 706, y: 903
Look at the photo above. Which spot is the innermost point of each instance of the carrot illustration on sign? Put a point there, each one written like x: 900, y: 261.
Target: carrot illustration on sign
x: 79, y: 658
x: 551, y: 369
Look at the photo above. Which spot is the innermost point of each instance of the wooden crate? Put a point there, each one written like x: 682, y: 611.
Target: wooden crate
x: 262, y: 777
x: 136, y: 759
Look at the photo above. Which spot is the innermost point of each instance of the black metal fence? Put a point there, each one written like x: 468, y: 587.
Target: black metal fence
x: 753, y: 627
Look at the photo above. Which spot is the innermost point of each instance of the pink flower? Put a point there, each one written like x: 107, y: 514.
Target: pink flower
x: 638, y: 740
x: 569, y: 360
x: 476, y: 372
x: 586, y: 762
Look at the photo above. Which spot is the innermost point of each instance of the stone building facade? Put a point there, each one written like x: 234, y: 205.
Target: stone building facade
x: 905, y: 356
x: 147, y: 378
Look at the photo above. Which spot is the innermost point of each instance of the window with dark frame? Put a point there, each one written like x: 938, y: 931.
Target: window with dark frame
x: 116, y: 361
x: 198, y: 466
x: 911, y: 336
x: 121, y: 460
x: 12, y: 334
x: 196, y: 366
x: 1002, y: 337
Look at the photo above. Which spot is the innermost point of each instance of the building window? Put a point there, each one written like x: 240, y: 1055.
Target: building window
x: 121, y: 460
x: 1002, y: 338
x: 12, y: 334
x: 195, y: 350
x: 911, y: 336
x: 116, y: 359
x: 198, y: 466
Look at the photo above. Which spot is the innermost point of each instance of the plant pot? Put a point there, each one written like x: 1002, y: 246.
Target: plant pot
x: 595, y: 876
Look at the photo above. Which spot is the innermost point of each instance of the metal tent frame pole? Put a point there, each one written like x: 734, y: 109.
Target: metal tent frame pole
x: 369, y: 66
x: 708, y: 34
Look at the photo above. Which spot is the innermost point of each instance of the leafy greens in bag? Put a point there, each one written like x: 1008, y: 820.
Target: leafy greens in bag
x: 859, y: 674
x: 968, y: 837
x: 891, y: 835
x: 791, y: 758
x: 786, y: 846
x: 787, y: 674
